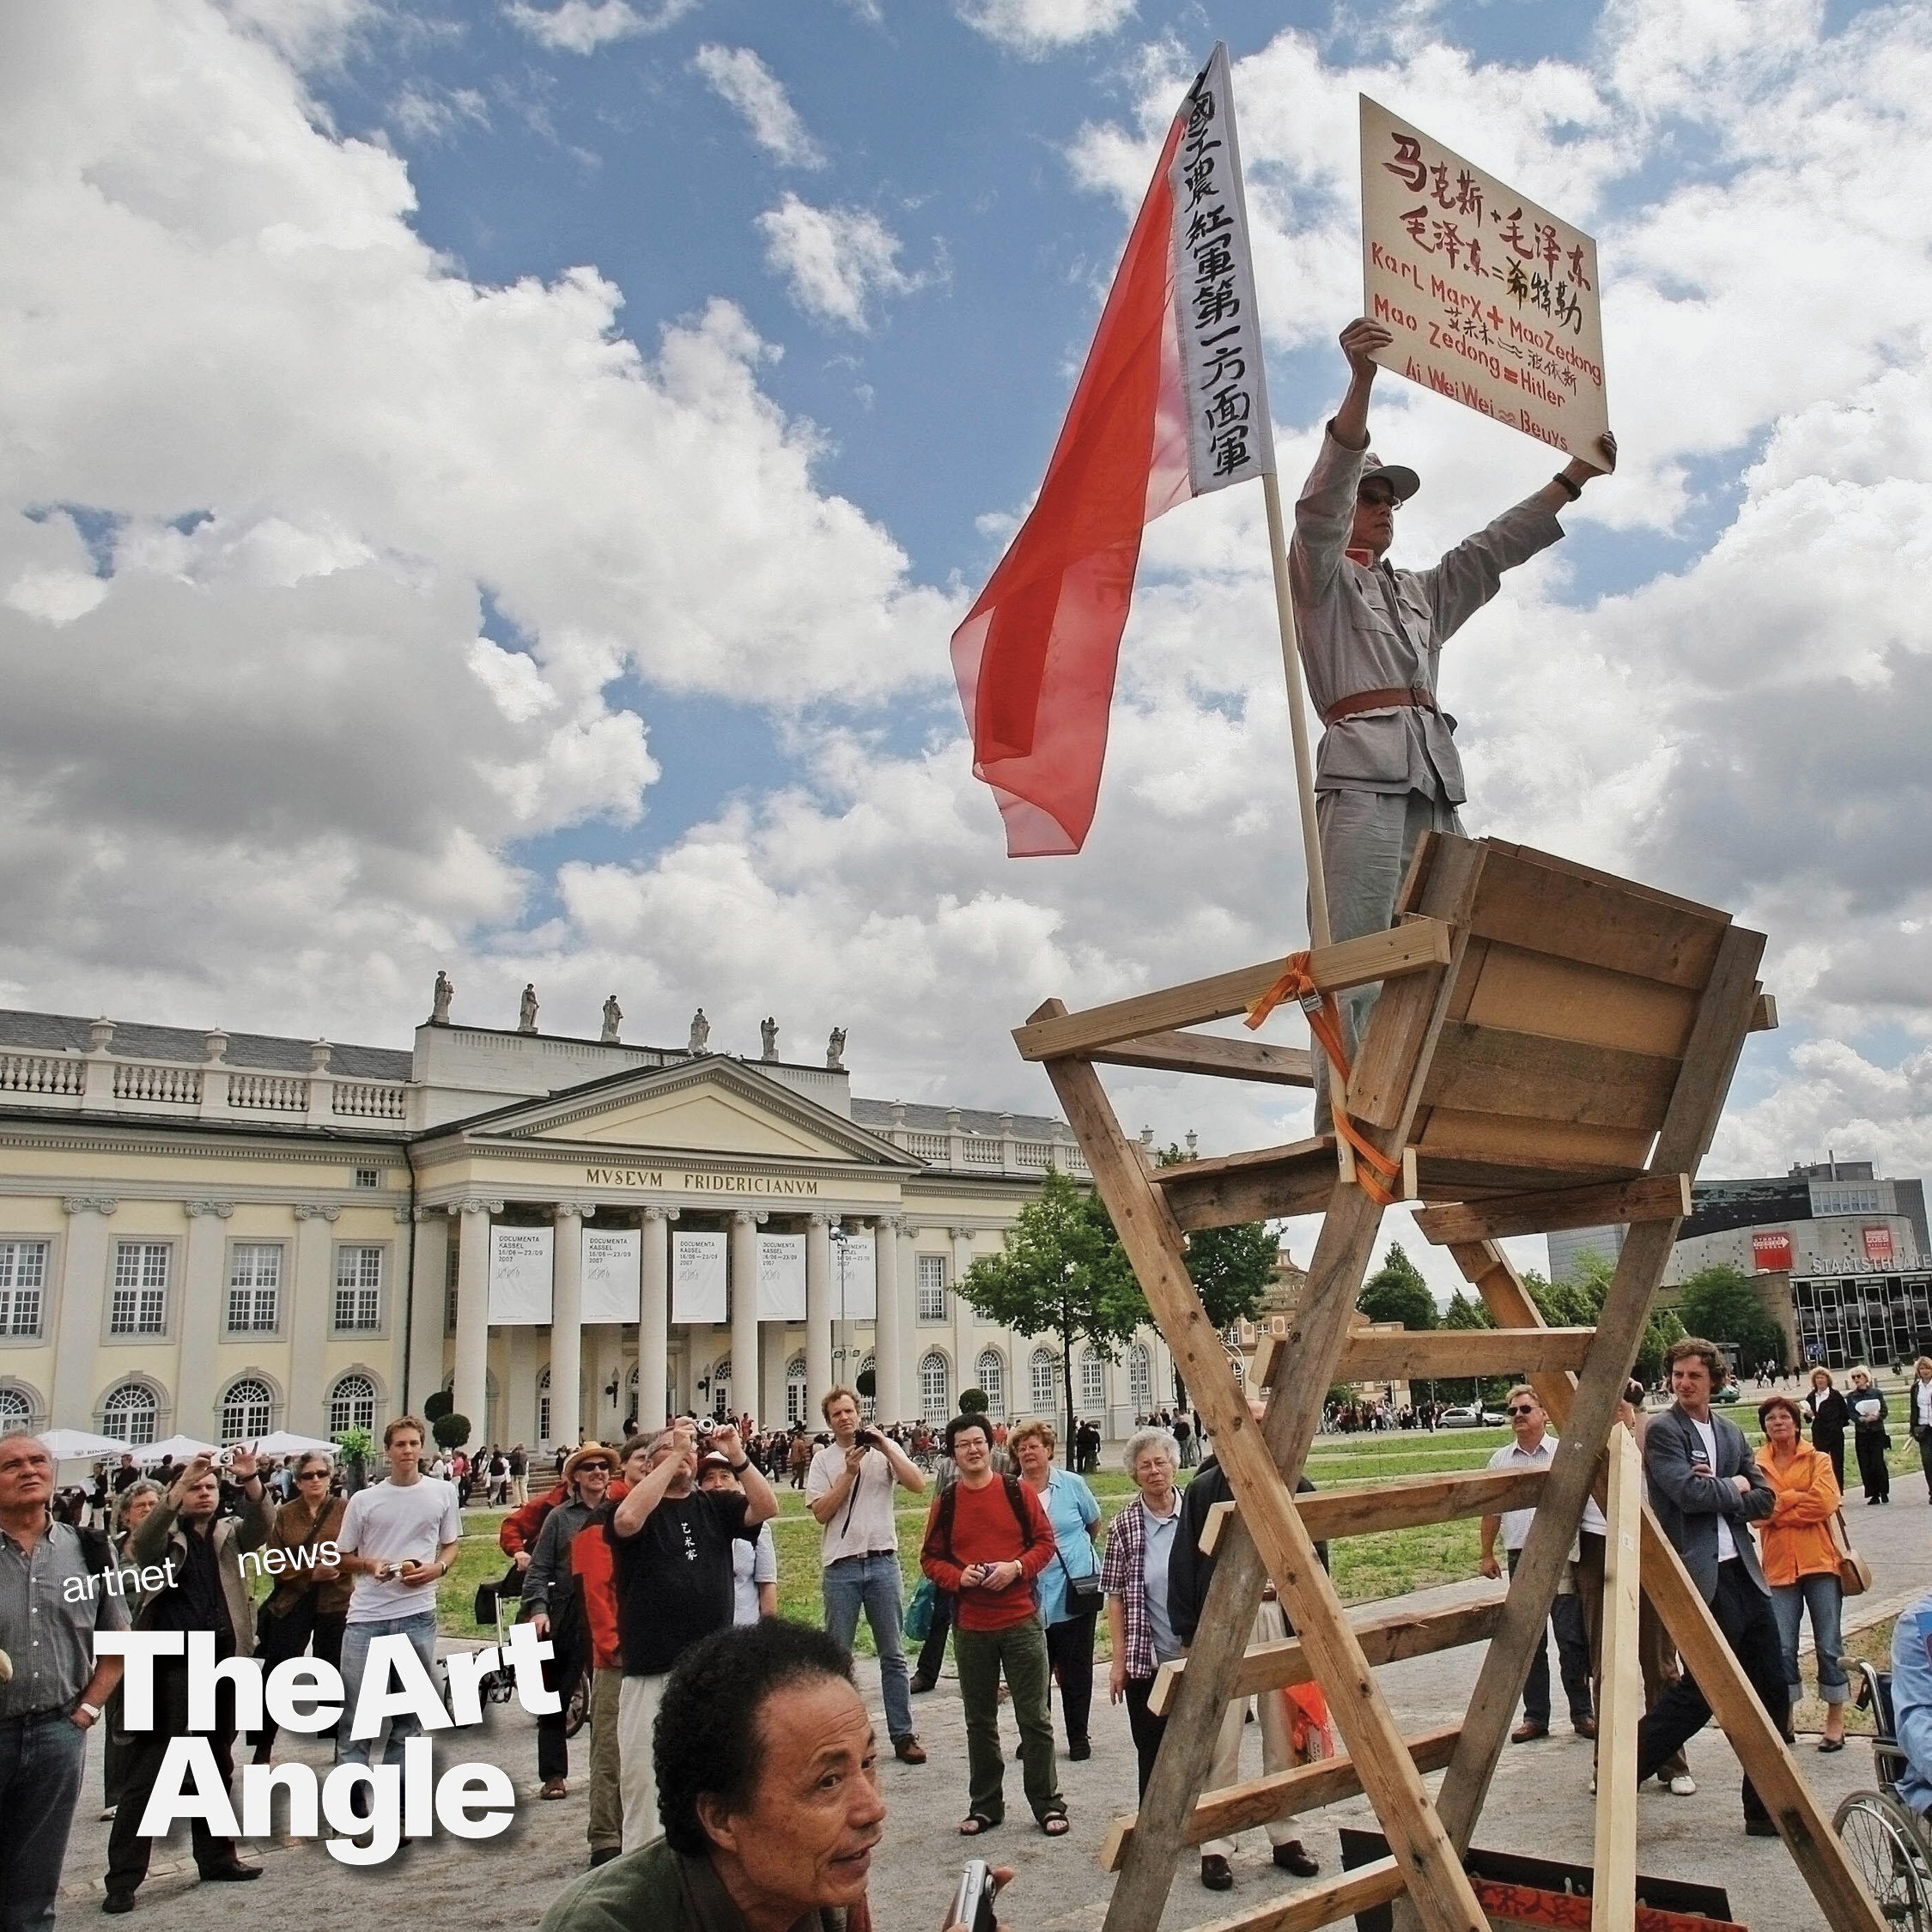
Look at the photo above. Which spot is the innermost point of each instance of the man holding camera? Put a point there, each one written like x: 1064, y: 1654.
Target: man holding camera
x: 850, y: 1489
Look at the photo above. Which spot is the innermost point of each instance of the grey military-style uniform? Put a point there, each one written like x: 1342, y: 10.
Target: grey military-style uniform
x: 1384, y: 777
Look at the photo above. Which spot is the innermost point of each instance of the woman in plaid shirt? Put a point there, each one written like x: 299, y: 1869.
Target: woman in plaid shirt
x: 1140, y: 1541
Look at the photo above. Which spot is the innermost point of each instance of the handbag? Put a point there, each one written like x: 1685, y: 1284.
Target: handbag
x: 1084, y: 1593
x: 917, y: 1622
x: 1855, y: 1574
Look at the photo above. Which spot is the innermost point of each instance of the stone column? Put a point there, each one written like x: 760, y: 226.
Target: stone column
x: 200, y: 1328
x: 84, y: 1295
x: 889, y: 1327
x: 653, y: 1327
x: 771, y: 1380
x: 567, y: 1326
x: 820, y: 1301
x: 964, y: 1353
x: 429, y: 1308
x: 470, y: 1395
x: 311, y: 1306
x: 745, y: 1385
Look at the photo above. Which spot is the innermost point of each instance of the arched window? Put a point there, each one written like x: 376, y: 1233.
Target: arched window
x: 543, y: 1405
x: 246, y: 1410
x: 1093, y: 1383
x: 935, y: 1391
x: 352, y: 1404
x: 989, y: 1373
x: 721, y: 1387
x: 16, y: 1411
x: 1043, y: 1379
x: 795, y: 1389
x: 1140, y: 1378
x: 868, y: 1404
x: 129, y: 1413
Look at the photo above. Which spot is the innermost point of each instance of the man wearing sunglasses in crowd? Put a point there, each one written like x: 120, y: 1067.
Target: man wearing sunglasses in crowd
x: 1371, y: 639
x: 1576, y: 1613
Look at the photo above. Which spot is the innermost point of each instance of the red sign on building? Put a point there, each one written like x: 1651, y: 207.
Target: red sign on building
x: 1770, y: 1252
x: 1878, y: 1245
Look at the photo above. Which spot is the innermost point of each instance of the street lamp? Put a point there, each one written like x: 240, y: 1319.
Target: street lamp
x: 839, y: 1241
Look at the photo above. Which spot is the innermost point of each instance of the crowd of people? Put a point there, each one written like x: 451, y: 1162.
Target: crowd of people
x: 650, y: 1567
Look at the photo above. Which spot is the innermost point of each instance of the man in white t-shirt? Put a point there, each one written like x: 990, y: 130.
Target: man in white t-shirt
x: 850, y: 1488
x: 754, y: 1566
x: 1576, y: 1613
x: 398, y: 1539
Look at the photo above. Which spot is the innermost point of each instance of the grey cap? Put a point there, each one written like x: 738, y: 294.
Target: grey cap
x: 1403, y: 481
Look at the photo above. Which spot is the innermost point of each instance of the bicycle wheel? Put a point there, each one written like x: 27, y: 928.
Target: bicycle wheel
x: 1880, y: 1839
x: 576, y: 1709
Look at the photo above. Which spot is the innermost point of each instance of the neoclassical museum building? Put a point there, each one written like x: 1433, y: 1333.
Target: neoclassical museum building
x: 218, y: 1234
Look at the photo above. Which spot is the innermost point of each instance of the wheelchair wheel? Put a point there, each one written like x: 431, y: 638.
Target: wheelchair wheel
x: 1881, y: 1839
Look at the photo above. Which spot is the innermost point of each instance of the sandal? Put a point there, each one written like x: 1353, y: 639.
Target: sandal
x: 1054, y: 1824
x: 553, y: 1788
x: 976, y: 1822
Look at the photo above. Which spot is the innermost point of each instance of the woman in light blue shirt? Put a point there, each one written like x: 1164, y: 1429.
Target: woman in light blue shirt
x: 1068, y: 1588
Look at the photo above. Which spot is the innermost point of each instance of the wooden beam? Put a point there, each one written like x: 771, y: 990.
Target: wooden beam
x: 1207, y: 1053
x: 1400, y: 1502
x: 1656, y: 1197
x: 1413, y: 947
x: 1614, y: 1880
x: 1259, y: 1800
x: 1492, y: 1070
x: 1764, y: 1014
x: 1360, y: 1890
x: 1444, y: 1353
x: 1296, y: 1178
x: 1384, y: 1640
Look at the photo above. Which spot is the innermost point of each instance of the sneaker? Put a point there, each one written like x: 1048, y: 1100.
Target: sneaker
x: 1683, y: 1786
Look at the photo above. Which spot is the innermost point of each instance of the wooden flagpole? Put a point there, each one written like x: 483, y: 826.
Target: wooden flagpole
x: 1297, y: 716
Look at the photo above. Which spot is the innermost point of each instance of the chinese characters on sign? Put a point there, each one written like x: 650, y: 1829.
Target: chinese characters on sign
x: 1229, y: 438
x: 1492, y: 301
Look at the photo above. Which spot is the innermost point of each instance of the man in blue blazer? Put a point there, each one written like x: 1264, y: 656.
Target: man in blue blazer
x: 1706, y: 1488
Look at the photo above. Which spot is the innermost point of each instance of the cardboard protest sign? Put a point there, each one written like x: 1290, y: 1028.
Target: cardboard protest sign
x: 1494, y: 301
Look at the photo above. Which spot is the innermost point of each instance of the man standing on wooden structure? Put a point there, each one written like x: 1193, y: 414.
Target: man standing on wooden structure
x: 1371, y: 638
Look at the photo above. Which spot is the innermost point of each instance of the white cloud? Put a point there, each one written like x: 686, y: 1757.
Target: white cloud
x: 1036, y: 26
x: 836, y: 260
x: 431, y: 113
x: 584, y: 26
x: 738, y: 77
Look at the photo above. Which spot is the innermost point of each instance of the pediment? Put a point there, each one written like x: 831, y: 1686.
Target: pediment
x: 705, y: 1120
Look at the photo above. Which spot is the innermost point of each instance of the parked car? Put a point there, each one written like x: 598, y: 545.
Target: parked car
x: 1472, y: 1417
x: 1728, y: 1393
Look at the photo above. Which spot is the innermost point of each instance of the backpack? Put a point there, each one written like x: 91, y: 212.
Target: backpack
x: 949, y: 1508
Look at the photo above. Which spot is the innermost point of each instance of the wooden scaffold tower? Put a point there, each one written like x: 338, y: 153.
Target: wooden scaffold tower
x: 1552, y: 1048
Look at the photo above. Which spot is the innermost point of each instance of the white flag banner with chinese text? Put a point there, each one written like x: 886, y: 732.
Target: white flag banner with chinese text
x: 1230, y: 438
x: 1494, y: 302
x: 520, y: 1277
x: 697, y: 1277
x: 781, y: 1278
x: 613, y: 1273
x: 856, y: 1280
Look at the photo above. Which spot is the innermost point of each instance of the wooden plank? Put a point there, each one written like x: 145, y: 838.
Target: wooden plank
x: 1561, y: 909
x: 1297, y: 1178
x: 1635, y: 889
x: 1485, y: 1070
x: 1613, y: 1880
x: 1410, y: 948
x: 1665, y: 1197
x: 1558, y: 1148
x: 1398, y: 1502
x: 1710, y: 1056
x: 1445, y: 1353
x: 1528, y: 991
x: 1207, y: 1053
x: 1764, y: 1016
x: 1386, y: 1639
x: 1360, y: 1890
x: 1259, y: 1800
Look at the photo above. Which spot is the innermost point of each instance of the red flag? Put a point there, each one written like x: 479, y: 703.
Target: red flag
x: 1171, y: 404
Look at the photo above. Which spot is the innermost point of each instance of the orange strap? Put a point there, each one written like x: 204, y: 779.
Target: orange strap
x: 1374, y: 1173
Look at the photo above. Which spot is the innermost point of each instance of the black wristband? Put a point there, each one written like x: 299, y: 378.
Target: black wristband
x: 738, y: 1468
x: 1574, y: 491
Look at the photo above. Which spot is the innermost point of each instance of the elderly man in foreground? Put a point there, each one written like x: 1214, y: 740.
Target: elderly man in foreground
x: 767, y: 1776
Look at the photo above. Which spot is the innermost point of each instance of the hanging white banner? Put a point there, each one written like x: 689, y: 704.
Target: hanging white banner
x: 520, y: 1277
x: 698, y: 1268
x: 781, y: 1278
x: 856, y: 1280
x: 613, y: 1273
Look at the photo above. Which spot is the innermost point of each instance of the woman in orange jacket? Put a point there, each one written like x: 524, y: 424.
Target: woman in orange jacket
x: 1799, y: 1557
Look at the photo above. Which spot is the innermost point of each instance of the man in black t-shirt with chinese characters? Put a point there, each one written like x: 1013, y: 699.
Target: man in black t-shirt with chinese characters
x: 672, y: 1544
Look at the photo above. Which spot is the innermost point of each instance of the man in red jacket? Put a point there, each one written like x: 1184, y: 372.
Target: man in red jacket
x: 517, y: 1533
x: 987, y: 1540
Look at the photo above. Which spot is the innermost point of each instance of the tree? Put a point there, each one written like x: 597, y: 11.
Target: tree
x: 1719, y: 1303
x: 1397, y: 1292
x: 451, y: 1431
x: 1577, y: 1303
x: 438, y: 1405
x: 1062, y: 1271
x: 1229, y: 1268
x: 973, y: 1401
x: 1464, y: 1312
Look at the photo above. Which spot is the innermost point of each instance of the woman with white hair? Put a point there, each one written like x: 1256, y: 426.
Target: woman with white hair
x: 1140, y: 1545
x: 1868, y: 1436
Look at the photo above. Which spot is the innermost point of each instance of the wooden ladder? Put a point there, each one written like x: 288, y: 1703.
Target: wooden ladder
x: 1552, y: 1048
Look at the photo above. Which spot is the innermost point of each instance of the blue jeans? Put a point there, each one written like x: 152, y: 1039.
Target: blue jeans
x: 1824, y: 1596
x: 420, y: 1628
x: 871, y: 1583
x: 40, y: 1763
